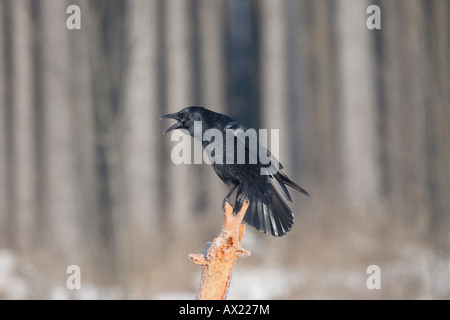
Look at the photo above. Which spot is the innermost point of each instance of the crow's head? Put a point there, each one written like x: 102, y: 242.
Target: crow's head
x: 185, y: 118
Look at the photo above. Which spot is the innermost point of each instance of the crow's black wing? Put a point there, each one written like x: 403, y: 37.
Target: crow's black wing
x: 247, y: 139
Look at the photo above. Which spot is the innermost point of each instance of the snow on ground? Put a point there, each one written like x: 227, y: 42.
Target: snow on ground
x: 261, y: 283
x: 12, y: 286
x: 414, y: 273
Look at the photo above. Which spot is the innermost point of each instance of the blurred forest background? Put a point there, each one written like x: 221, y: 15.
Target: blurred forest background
x: 85, y: 171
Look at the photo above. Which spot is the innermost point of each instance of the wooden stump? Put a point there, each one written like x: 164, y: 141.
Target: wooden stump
x: 220, y: 257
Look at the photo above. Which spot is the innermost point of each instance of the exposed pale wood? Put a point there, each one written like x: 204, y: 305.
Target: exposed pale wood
x: 220, y: 257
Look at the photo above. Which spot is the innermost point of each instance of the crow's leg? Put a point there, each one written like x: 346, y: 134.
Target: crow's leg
x: 227, y: 198
x: 242, y: 195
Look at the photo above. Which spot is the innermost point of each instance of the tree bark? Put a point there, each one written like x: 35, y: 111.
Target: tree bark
x: 220, y: 257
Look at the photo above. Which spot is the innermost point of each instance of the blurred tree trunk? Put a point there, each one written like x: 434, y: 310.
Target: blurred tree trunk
x: 140, y: 161
x: 297, y: 100
x: 81, y: 102
x: 8, y: 124
x: 61, y: 196
x: 107, y: 21
x: 316, y: 120
x: 139, y: 141
x: 358, y: 119
x: 24, y: 126
x: 437, y: 124
x: 212, y: 53
x: 3, y: 132
x: 242, y: 61
x: 274, y: 100
x: 213, y: 83
x: 179, y: 95
x: 405, y: 87
x: 415, y: 73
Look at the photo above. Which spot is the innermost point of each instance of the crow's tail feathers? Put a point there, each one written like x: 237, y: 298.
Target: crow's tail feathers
x: 271, y: 217
x: 284, y: 179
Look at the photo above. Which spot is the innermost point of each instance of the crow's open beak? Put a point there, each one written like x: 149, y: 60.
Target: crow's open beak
x: 175, y: 116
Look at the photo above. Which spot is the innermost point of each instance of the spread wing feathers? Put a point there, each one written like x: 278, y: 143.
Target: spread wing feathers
x: 275, y: 218
x: 285, y: 180
x: 251, y: 144
x: 273, y: 168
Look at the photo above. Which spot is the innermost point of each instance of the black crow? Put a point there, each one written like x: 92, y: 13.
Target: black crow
x: 261, y: 182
